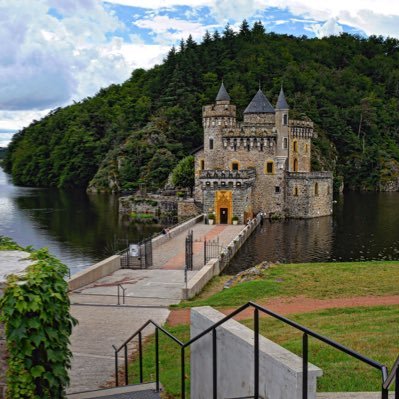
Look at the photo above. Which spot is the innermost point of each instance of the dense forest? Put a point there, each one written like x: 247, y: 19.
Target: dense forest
x: 136, y: 132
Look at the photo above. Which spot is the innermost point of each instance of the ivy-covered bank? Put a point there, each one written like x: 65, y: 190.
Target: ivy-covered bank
x: 37, y: 323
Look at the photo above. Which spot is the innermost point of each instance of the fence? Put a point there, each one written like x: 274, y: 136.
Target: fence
x: 137, y: 256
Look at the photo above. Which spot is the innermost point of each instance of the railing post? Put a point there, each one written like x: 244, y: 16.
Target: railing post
x: 140, y: 358
x: 183, y: 381
x: 384, y: 393
x: 214, y: 364
x: 118, y: 296
x: 305, y: 356
x: 116, y: 369
x: 126, y: 367
x: 256, y: 354
x: 204, y: 251
x: 157, y: 359
x: 397, y: 384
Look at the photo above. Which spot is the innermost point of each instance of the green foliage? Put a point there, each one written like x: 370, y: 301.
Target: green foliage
x: 183, y: 173
x: 35, y: 311
x: 139, y: 130
x: 7, y: 244
x: 211, y: 216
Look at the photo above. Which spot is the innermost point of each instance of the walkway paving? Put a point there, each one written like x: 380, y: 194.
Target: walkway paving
x: 148, y: 292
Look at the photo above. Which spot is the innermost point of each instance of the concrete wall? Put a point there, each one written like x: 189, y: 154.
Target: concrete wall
x: 161, y: 239
x: 95, y: 272
x: 280, y: 370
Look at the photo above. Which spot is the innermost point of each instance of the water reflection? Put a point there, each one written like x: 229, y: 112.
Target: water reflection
x: 78, y: 228
x: 364, y: 226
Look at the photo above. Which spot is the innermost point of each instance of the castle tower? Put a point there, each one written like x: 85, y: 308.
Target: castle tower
x: 259, y: 110
x: 215, y: 118
x: 282, y: 122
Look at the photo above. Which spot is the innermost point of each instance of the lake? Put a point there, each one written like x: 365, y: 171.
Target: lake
x: 81, y: 229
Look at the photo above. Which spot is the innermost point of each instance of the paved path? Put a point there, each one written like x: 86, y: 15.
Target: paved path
x: 148, y: 292
x: 300, y: 304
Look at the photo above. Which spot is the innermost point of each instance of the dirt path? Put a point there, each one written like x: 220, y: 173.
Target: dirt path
x: 293, y: 305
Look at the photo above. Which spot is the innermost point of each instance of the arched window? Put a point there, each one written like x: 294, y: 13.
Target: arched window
x: 234, y: 166
x: 295, y: 165
x: 295, y: 146
x: 211, y: 144
x: 316, y: 189
x: 269, y: 169
x: 285, y: 119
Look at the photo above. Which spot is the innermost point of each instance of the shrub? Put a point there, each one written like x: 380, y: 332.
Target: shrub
x: 35, y: 312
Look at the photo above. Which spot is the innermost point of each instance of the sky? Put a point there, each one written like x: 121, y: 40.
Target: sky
x: 54, y: 52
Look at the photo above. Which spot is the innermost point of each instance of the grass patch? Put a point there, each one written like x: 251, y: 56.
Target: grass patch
x: 312, y: 280
x: 169, y: 361
x: 371, y: 331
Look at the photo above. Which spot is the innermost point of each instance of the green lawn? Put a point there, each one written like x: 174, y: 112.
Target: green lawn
x: 313, y: 280
x: 371, y: 331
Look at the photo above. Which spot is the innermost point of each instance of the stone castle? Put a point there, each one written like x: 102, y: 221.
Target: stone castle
x: 262, y: 164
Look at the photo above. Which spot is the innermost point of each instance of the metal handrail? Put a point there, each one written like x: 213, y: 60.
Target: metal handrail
x: 386, y: 380
x: 120, y: 287
x: 394, y: 374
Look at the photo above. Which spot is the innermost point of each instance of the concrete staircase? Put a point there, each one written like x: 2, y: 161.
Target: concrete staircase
x: 141, y: 391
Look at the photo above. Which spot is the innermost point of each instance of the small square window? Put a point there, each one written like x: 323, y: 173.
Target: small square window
x: 234, y: 166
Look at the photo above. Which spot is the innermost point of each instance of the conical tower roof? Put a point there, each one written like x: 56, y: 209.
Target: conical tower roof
x: 222, y: 94
x: 259, y: 105
x: 282, y: 102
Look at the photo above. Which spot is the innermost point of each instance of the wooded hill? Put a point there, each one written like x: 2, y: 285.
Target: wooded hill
x: 137, y: 131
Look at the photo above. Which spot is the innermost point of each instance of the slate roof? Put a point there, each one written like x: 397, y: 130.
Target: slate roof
x: 222, y: 94
x: 282, y: 102
x: 259, y: 105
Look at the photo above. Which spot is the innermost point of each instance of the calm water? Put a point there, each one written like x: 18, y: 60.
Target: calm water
x: 365, y: 226
x: 79, y: 229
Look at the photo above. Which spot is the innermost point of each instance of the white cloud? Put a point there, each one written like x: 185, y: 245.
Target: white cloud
x: 329, y: 28
x: 5, y: 138
x: 47, y: 61
x: 169, y: 30
x: 379, y: 17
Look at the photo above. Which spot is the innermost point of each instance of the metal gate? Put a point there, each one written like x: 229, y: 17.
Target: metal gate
x: 137, y: 256
x: 189, y: 250
x: 212, y: 250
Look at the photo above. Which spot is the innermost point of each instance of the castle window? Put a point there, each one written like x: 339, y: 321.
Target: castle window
x: 295, y: 145
x: 295, y: 165
x: 306, y: 148
x: 211, y: 144
x: 296, y: 193
x: 285, y: 143
x: 234, y: 166
x: 269, y: 167
x: 285, y: 119
x: 277, y: 189
x: 316, y: 189
x: 202, y: 164
x: 328, y: 190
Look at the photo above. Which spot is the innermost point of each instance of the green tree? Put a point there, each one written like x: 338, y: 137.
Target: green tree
x: 183, y: 174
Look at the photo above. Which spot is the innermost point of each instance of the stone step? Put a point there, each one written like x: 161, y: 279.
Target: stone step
x: 140, y: 391
x: 351, y: 395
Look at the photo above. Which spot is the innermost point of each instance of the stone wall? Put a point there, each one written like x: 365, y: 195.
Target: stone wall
x: 188, y: 208
x: 152, y: 203
x: 280, y: 371
x: 309, y: 194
